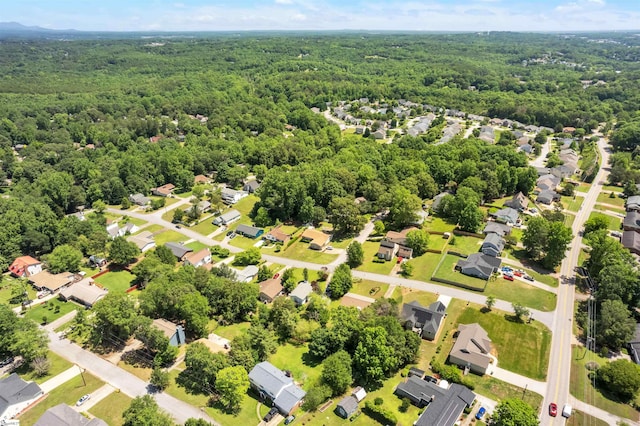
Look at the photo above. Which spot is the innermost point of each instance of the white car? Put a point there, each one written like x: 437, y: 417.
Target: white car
x: 83, y: 399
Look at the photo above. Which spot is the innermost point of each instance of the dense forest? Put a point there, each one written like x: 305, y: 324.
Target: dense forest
x: 76, y: 117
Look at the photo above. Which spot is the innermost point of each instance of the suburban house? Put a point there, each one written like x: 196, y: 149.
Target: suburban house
x: 164, y: 190
x: 86, y: 292
x: 437, y: 199
x: 633, y: 203
x: 249, y: 231
x: 16, y: 395
x: 400, y: 238
x: 139, y: 199
x: 204, y: 206
x: 492, y: 245
x: 518, y: 202
x: 270, y: 289
x: 631, y: 241
x: 387, y: 250
x: 446, y: 408
x: 144, y: 241
x: 114, y: 229
x: 25, y: 267
x: 379, y: 134
x: 201, y: 180
x: 247, y: 274
x: 506, y: 215
x: 97, y: 261
x: 227, y: 218
x: 471, y: 349
x: 547, y: 196
x: 317, y: 239
x: 179, y: 250
x: 347, y: 407
x: 497, y: 228
x: 300, y: 294
x: 173, y: 332
x: 199, y: 258
x: 478, y: 265
x: 51, y: 282
x: 63, y: 415
x: 634, y: 345
x: 251, y: 186
x: 424, y: 321
x: 631, y: 221
x: 547, y: 182
x: 273, y: 384
x: 487, y: 134
x: 277, y: 236
x: 231, y: 196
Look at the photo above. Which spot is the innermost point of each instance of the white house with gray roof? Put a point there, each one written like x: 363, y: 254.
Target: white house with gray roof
x: 227, y: 218
x: 273, y: 384
x: 16, y: 395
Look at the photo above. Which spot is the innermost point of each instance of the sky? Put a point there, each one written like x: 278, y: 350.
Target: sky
x: 413, y: 15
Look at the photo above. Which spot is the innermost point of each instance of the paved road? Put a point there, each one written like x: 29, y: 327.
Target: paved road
x: 522, y: 381
x: 542, y: 158
x: 59, y: 379
x: 96, y: 396
x: 120, y: 379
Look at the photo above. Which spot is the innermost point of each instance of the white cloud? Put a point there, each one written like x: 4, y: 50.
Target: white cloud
x: 284, y: 2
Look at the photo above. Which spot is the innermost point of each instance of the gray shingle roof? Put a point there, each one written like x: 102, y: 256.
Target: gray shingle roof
x: 14, y: 390
x: 178, y: 249
x: 280, y: 388
x: 63, y: 415
x: 447, y: 408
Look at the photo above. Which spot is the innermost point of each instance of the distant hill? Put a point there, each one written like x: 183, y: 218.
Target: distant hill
x: 16, y: 29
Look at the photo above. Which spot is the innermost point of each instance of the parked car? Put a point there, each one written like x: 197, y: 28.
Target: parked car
x: 232, y: 236
x: 83, y: 399
x: 506, y: 269
x: 553, y: 409
x: 275, y: 277
x: 270, y: 415
x: 480, y: 413
x: 528, y: 277
x: 289, y: 419
x: 229, y: 233
x: 508, y: 277
x: 6, y: 361
x: 517, y: 273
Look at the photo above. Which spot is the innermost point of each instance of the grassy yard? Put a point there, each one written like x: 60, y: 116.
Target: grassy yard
x: 168, y: 214
x: 604, y: 208
x: 152, y: 228
x: 521, y: 292
x: 422, y: 297
x: 578, y: 418
x: 572, y: 203
x: 424, y: 266
x: 569, y: 219
x: 136, y: 221
x: 116, y: 281
x: 205, y: 227
x: 438, y: 224
x: 196, y: 245
x: 581, y: 385
x: 67, y: 393
x: 614, y: 222
x: 167, y: 202
x: 305, y: 370
x: 5, y: 291
x: 58, y: 365
x: 168, y: 236
x: 437, y: 242
x: 465, y: 245
x: 446, y: 272
x: 342, y: 243
x: 605, y: 198
x: 370, y: 249
x: 611, y: 188
x: 245, y: 205
x: 499, y: 390
x: 301, y: 251
x: 229, y: 331
x: 243, y: 242
x: 369, y: 288
x: 139, y: 371
x: 111, y: 408
x: 547, y: 279
x: 52, y: 310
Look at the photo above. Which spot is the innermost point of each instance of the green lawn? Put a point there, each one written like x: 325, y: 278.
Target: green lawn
x: 111, y: 408
x: 424, y: 266
x: 206, y: 227
x: 301, y: 251
x: 569, y: 219
x: 437, y: 242
x: 58, y: 365
x: 499, y: 390
x: 136, y: 221
x: 610, y: 188
x: 602, y: 207
x: 422, y: 297
x: 67, y: 393
x: 168, y: 201
x: 168, y: 236
x: 438, y: 224
x: 614, y: 222
x: 245, y: 205
x: 581, y: 385
x: 296, y: 359
x: 605, y: 198
x: 168, y: 214
x: 5, y: 291
x: 229, y: 331
x: 465, y: 245
x: 578, y: 418
x: 341, y: 243
x: 196, y: 245
x: 139, y: 370
x: 572, y: 203
x: 369, y: 288
x: 243, y: 242
x: 547, y: 279
x: 152, y: 228
x: 446, y: 272
x: 117, y: 282
x: 52, y: 309
x: 520, y: 292
x: 370, y: 249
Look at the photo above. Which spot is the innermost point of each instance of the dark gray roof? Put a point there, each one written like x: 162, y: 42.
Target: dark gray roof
x: 420, y: 391
x: 632, y: 220
x: 428, y: 319
x: 631, y: 240
x: 519, y: 201
x: 349, y: 404
x: 480, y: 261
x: 547, y: 196
x: 507, y: 214
x: 445, y: 409
x: 633, y: 202
x: 497, y: 228
x: 248, y: 230
x: 178, y: 249
x: 14, y: 390
x: 63, y: 415
x: 286, y: 394
x: 493, y: 240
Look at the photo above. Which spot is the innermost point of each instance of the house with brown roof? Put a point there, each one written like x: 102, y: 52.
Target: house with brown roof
x: 201, y: 180
x: 471, y: 349
x: 394, y: 244
x: 173, y: 332
x: 144, y: 241
x: 277, y: 236
x: 199, y: 258
x: 317, y: 239
x: 51, y: 282
x: 25, y: 267
x: 85, y: 292
x: 631, y: 241
x: 270, y: 289
x: 164, y: 190
x: 518, y: 202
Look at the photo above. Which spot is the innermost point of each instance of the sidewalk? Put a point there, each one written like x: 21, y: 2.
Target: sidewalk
x: 519, y: 380
x: 60, y: 321
x: 597, y: 412
x: 96, y: 397
x: 61, y: 378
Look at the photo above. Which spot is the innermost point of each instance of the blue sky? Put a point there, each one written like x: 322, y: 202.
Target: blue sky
x: 420, y: 15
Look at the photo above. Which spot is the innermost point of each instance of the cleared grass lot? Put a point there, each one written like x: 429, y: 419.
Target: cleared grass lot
x: 116, y: 281
x: 605, y: 198
x: 446, y: 272
x: 367, y: 288
x: 111, y: 408
x: 520, y: 292
x: 465, y: 245
x: 370, y: 249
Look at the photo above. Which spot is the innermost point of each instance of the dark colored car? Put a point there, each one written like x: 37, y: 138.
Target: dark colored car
x: 553, y: 409
x: 289, y: 419
x: 229, y: 233
x: 528, y: 277
x: 270, y: 415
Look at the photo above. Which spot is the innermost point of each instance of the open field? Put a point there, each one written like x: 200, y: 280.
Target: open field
x: 520, y: 292
x: 116, y: 281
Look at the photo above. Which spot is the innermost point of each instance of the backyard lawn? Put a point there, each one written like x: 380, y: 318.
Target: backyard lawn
x: 605, y: 198
x: 615, y: 223
x: 369, y: 288
x: 424, y: 266
x: 446, y: 272
x: 205, y: 227
x: 581, y: 385
x: 116, y: 281
x: 370, y: 249
x: 52, y: 310
x: 465, y: 245
x: 305, y: 370
x: 437, y: 242
x: 520, y: 292
x: 229, y: 331
x: 572, y: 204
x: 168, y: 236
x: 245, y: 205
x: 67, y: 393
x: 301, y: 251
x: 5, y: 291
x: 111, y: 408
x: 438, y: 224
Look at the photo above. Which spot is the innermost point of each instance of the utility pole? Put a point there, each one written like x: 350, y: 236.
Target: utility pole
x: 84, y: 383
x: 524, y: 391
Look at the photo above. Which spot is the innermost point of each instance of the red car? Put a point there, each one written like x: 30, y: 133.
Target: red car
x: 276, y: 276
x: 508, y: 277
x: 517, y: 273
x: 553, y: 409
